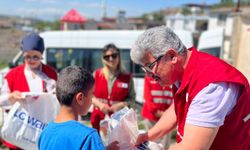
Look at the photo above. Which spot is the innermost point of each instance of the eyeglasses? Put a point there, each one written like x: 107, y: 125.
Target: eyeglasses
x: 32, y: 58
x: 107, y: 57
x: 149, y: 67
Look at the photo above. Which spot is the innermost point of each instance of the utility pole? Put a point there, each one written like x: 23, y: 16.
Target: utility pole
x: 103, y: 9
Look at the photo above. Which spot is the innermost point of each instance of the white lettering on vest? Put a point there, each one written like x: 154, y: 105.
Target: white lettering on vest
x: 187, y: 97
x: 122, y: 85
x: 162, y: 100
x: 178, y: 133
x: 247, y: 118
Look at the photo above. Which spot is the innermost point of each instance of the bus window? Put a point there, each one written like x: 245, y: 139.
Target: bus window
x: 129, y: 65
x: 126, y: 61
x: 60, y: 58
x: 138, y: 72
x: 89, y: 59
x: 215, y: 51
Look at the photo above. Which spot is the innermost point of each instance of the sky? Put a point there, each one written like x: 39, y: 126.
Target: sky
x: 54, y: 9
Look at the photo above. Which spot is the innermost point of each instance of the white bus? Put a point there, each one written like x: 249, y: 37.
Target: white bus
x: 83, y: 48
x: 211, y: 42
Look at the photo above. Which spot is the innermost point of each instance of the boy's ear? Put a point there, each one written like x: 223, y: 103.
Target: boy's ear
x: 79, y: 98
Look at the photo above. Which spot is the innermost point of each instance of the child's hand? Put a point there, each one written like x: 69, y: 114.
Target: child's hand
x: 15, y: 96
x: 113, y: 146
x: 105, y: 108
x: 158, y: 113
x: 117, y: 107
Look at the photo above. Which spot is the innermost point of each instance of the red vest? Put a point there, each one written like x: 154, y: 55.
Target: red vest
x: 156, y: 98
x: 119, y: 91
x: 17, y: 80
x: 203, y: 69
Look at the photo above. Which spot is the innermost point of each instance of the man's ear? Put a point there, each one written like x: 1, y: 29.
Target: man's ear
x: 172, y: 55
x: 79, y: 98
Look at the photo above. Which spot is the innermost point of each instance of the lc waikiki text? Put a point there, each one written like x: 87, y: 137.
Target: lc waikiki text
x: 33, y: 122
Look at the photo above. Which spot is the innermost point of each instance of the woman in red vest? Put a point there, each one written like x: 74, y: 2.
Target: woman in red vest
x: 212, y: 104
x: 114, y: 87
x: 157, y: 99
x: 32, y: 76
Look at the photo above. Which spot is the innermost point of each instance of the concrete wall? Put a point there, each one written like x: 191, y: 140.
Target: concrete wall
x: 240, y: 45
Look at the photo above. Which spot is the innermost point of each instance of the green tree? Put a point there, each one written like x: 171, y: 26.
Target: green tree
x: 45, y: 25
x: 226, y: 1
x: 245, y: 2
x: 158, y: 16
x: 55, y: 25
x: 186, y: 11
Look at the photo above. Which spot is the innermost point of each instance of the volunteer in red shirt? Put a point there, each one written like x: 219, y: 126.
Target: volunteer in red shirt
x: 157, y: 100
x: 211, y: 108
x: 114, y: 88
x: 32, y: 76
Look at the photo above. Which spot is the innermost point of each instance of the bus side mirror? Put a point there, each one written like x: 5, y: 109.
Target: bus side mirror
x: 12, y: 65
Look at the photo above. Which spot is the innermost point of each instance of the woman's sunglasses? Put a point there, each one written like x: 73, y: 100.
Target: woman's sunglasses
x: 107, y: 57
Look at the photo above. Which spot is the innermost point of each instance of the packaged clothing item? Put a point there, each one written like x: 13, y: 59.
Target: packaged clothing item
x: 123, y: 128
x: 104, y: 128
x: 28, y: 118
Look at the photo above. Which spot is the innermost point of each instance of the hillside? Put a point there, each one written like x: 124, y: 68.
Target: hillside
x: 9, y: 44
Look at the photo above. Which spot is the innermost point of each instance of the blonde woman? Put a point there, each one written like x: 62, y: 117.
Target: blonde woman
x: 114, y: 87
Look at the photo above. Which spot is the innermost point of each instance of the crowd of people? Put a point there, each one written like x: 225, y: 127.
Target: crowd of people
x: 204, y: 98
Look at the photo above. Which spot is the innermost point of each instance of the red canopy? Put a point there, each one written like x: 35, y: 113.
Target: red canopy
x: 74, y: 17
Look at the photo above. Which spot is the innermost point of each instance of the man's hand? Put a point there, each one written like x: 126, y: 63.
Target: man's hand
x: 113, y: 146
x: 141, y: 138
x: 15, y: 96
x: 203, y: 137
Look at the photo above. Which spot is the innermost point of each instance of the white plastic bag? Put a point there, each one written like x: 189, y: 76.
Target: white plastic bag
x: 27, y: 119
x: 123, y: 128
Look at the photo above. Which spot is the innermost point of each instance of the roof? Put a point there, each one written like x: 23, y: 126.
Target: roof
x: 98, y: 38
x: 109, y: 19
x: 197, y: 5
x: 73, y: 17
x: 106, y: 25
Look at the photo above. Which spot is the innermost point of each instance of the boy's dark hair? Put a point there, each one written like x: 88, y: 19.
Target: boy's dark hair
x: 71, y: 80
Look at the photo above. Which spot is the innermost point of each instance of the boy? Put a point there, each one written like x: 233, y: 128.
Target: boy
x: 74, y: 90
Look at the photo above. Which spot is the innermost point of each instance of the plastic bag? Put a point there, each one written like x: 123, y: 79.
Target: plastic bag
x: 104, y: 128
x: 124, y: 129
x: 28, y: 118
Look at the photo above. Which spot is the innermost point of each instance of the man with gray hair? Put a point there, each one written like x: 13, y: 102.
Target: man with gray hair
x: 211, y: 107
